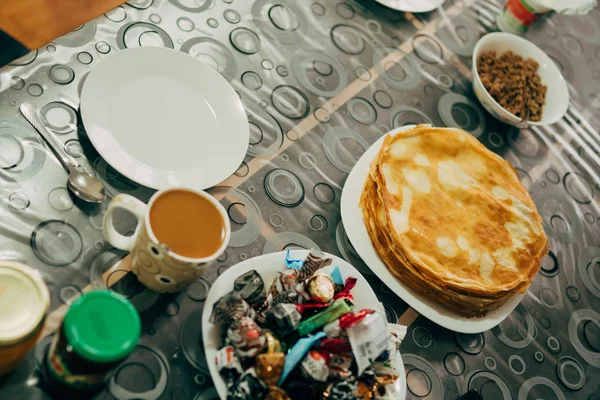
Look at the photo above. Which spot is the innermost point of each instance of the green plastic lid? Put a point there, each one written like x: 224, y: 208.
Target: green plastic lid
x: 102, y: 326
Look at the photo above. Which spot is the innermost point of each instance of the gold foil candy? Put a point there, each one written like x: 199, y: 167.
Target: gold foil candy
x: 269, y: 365
x: 276, y: 393
x: 321, y: 288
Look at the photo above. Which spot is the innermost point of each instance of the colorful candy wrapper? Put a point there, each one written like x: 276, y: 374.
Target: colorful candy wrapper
x: 230, y: 308
x: 276, y: 393
x: 336, y: 277
x: 340, y: 364
x: 228, y: 364
x: 251, y: 288
x: 269, y: 365
x: 308, y: 309
x: 314, y: 366
x: 314, y: 261
x: 246, y: 336
x: 300, y: 388
x: 377, y: 384
x: 295, y: 278
x: 320, y: 288
x: 291, y: 296
x: 297, y: 353
x: 366, y: 388
x: 291, y: 263
x: 342, y: 390
x: 369, y: 338
x: 283, y: 318
x: 286, y: 280
x: 388, y: 357
x: 337, y: 345
x: 333, y: 312
x: 249, y: 387
x: 334, y: 329
x: 398, y: 333
x: 346, y: 293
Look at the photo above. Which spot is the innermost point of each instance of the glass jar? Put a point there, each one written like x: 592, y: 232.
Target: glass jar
x: 99, y: 331
x: 24, y: 302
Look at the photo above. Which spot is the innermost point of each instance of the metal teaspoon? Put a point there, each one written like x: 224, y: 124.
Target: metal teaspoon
x: 84, y: 185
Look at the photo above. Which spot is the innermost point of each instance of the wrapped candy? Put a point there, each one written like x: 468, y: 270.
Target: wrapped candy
x: 292, y: 263
x: 301, y: 388
x: 249, y: 387
x: 295, y: 278
x: 341, y: 390
x: 284, y: 318
x: 335, y: 328
x: 251, y: 288
x: 314, y: 366
x: 372, y: 385
x: 285, y: 281
x: 228, y: 364
x: 230, y: 308
x: 346, y: 293
x: 269, y: 365
x: 336, y: 277
x: 297, y: 353
x: 337, y: 345
x: 291, y: 296
x: 276, y: 393
x: 334, y: 311
x: 340, y: 364
x: 246, y: 336
x: 314, y: 261
x: 320, y: 288
x: 308, y: 309
x: 369, y: 338
x: 388, y: 357
x: 364, y: 391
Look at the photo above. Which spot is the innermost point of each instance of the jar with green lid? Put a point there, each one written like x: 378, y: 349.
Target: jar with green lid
x: 99, y: 331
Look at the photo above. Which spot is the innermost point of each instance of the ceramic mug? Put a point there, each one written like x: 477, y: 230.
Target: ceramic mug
x: 154, y: 263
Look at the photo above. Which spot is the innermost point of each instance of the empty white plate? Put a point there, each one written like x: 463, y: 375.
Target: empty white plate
x: 162, y: 118
x: 356, y: 231
x: 269, y: 266
x: 414, y: 6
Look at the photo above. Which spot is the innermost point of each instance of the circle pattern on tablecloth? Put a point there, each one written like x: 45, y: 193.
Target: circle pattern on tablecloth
x: 320, y: 82
x: 56, y: 242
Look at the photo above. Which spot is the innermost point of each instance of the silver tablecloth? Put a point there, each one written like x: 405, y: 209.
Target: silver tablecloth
x: 317, y: 95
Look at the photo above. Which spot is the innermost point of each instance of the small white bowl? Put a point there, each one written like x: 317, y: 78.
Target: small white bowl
x: 557, y: 96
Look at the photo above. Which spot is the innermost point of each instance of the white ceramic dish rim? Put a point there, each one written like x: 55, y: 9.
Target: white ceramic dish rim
x: 434, y: 4
x: 546, y: 60
x: 359, y: 237
x: 112, y: 152
x: 274, y: 262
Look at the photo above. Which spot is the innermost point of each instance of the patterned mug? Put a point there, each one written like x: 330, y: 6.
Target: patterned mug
x: 157, y: 266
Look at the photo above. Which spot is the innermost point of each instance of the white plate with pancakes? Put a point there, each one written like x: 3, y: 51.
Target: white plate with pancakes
x: 357, y: 232
x: 269, y: 266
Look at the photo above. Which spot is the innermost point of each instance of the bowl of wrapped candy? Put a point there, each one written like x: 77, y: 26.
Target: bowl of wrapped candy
x: 300, y: 325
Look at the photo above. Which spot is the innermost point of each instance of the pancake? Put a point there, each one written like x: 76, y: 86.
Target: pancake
x: 451, y: 219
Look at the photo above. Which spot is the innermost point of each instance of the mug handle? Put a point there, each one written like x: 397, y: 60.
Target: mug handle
x: 134, y: 206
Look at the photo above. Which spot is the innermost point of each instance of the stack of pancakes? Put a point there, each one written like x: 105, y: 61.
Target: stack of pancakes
x: 451, y: 219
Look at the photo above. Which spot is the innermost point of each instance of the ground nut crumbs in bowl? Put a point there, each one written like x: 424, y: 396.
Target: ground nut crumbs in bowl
x: 513, y: 82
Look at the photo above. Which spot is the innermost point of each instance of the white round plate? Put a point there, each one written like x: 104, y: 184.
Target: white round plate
x: 356, y: 231
x: 415, y: 6
x: 269, y: 266
x: 162, y: 118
